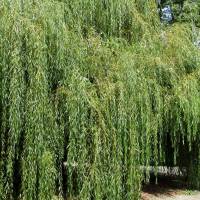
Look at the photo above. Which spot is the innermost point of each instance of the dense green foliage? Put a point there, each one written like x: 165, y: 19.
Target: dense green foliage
x: 92, y: 90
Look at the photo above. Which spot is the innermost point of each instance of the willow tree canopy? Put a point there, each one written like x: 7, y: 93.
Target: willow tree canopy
x: 90, y: 91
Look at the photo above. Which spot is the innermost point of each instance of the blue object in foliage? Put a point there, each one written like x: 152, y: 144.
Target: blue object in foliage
x: 197, y: 43
x: 166, y: 14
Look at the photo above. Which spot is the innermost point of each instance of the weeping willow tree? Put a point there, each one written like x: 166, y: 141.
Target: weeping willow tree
x: 90, y: 92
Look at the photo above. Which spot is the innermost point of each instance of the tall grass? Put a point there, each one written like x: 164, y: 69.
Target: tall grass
x: 90, y: 92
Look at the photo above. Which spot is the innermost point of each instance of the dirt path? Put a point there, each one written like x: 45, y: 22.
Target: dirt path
x: 169, y: 190
x: 146, y: 196
x: 184, y: 197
